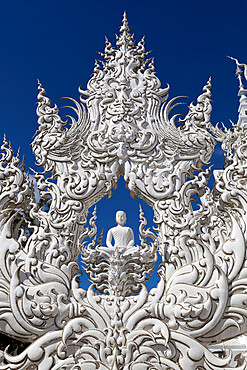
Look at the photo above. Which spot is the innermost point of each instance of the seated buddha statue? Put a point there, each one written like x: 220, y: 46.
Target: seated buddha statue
x: 123, y: 235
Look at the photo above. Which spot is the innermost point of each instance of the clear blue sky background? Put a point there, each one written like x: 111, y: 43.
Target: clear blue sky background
x: 56, y: 41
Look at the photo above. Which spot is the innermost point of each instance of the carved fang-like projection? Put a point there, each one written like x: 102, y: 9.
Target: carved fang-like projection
x: 124, y: 127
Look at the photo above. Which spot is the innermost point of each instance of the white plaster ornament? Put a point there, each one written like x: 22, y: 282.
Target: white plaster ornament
x: 123, y: 127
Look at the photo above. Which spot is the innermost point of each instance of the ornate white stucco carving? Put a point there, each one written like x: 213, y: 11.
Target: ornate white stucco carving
x: 123, y: 127
x: 122, y: 268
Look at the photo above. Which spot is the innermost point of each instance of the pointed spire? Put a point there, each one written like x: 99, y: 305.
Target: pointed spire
x: 242, y: 90
x: 242, y: 109
x: 124, y: 29
x: 125, y: 40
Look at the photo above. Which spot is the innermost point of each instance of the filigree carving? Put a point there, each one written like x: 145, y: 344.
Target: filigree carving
x: 123, y: 268
x: 123, y: 127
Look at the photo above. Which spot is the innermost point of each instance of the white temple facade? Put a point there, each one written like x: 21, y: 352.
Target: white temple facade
x: 196, y: 316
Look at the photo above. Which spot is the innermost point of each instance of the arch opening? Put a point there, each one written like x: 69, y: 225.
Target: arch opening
x: 106, y: 211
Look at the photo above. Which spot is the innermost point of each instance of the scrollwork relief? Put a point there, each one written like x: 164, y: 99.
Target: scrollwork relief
x: 123, y: 127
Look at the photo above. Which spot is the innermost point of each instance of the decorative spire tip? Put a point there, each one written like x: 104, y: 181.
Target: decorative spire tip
x: 125, y: 25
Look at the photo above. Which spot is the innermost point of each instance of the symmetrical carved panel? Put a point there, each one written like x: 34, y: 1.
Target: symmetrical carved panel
x: 124, y: 127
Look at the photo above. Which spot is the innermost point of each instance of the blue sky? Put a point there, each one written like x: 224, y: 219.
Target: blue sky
x: 57, y: 40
